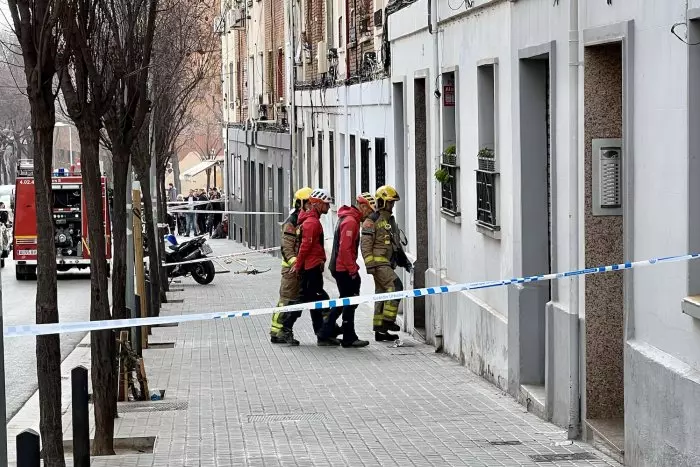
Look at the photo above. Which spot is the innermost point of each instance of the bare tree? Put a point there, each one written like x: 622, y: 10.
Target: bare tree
x: 88, y: 83
x: 36, y: 25
x: 204, y: 133
x: 127, y: 117
x: 15, y: 135
x: 182, y: 57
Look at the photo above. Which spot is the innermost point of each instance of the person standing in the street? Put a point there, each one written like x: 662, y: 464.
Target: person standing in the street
x: 311, y: 261
x: 172, y: 193
x: 190, y: 216
x: 201, y: 216
x: 290, y: 281
x: 344, y: 268
x: 382, y: 252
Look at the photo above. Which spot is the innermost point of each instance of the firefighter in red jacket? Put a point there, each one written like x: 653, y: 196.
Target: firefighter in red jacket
x: 344, y: 268
x: 311, y: 260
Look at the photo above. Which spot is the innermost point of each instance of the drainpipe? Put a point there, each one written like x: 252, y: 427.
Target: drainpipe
x: 575, y: 344
x: 437, y: 141
x: 345, y: 181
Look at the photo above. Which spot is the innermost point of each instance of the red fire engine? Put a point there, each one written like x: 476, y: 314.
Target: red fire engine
x: 69, y: 218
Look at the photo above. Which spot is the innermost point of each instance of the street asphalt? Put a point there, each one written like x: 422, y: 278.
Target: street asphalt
x: 18, y: 301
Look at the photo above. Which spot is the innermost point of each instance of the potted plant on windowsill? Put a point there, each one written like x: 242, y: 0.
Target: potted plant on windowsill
x: 487, y: 160
x: 442, y: 175
x: 449, y: 156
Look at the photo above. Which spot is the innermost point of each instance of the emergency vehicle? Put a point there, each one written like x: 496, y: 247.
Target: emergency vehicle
x: 69, y: 219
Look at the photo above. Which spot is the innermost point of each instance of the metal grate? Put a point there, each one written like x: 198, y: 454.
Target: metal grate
x: 155, y: 406
x: 289, y: 417
x: 505, y: 443
x: 486, y: 198
x: 569, y: 456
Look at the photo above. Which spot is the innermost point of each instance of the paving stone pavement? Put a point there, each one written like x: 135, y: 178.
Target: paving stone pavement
x: 245, y: 402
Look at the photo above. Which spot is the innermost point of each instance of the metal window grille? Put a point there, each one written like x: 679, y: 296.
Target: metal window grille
x: 331, y: 154
x: 364, y: 165
x: 380, y: 161
x: 449, y: 190
x: 320, y: 159
x: 486, y: 198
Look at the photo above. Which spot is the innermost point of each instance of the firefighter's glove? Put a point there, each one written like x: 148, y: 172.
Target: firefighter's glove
x: 408, y: 268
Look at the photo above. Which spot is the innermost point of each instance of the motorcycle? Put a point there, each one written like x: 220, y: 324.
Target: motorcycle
x: 202, y: 271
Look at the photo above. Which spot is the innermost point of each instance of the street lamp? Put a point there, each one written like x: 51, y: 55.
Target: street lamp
x: 70, y: 139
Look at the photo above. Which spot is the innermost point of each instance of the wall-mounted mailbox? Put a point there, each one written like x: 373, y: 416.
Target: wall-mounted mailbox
x: 607, y: 177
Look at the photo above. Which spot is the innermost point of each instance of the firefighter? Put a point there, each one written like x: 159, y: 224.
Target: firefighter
x: 382, y: 252
x: 289, y: 284
x: 344, y: 268
x: 311, y: 261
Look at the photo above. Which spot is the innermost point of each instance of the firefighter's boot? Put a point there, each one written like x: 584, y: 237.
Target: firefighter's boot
x: 381, y: 336
x: 391, y: 326
x: 330, y: 342
x: 356, y: 344
x: 288, y: 337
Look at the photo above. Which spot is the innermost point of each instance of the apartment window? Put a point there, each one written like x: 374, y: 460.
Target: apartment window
x: 448, y: 172
x: 380, y: 161
x: 487, y: 193
x: 364, y: 165
x: 331, y: 156
x: 320, y: 159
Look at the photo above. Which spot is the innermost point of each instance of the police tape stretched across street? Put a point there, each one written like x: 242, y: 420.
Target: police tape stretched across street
x: 60, y: 328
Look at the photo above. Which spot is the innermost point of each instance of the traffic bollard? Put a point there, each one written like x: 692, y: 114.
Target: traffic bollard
x: 81, y: 420
x: 28, y: 449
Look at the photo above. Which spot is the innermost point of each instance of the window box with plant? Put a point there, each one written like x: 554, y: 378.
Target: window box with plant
x: 486, y: 191
x: 447, y: 174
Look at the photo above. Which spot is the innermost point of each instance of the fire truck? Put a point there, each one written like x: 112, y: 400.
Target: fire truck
x: 69, y: 218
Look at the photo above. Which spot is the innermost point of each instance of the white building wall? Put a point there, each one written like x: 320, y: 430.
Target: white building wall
x: 367, y: 115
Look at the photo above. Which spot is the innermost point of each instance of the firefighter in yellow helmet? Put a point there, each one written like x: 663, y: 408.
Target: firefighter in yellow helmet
x: 290, y: 282
x: 382, y: 252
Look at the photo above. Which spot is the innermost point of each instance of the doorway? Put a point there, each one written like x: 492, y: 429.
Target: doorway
x: 399, y: 145
x: 603, y: 230
x: 536, y: 225
x: 420, y: 195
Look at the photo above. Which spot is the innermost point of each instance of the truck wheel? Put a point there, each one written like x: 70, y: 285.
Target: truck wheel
x: 109, y: 270
x: 19, y: 273
x: 2, y: 263
x: 31, y: 272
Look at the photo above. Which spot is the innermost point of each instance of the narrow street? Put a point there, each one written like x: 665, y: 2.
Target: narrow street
x: 18, y: 308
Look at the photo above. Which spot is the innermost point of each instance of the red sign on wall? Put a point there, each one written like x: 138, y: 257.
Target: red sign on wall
x: 448, y: 95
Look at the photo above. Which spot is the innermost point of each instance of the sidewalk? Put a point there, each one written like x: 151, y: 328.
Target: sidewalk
x: 232, y: 398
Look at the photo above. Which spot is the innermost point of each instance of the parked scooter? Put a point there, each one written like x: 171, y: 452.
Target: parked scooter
x: 202, y: 271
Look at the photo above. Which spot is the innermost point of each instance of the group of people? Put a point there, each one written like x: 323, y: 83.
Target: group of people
x: 368, y: 226
x: 200, y: 223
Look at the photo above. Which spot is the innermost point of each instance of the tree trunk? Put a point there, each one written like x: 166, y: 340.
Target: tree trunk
x: 103, y: 346
x: 162, y: 208
x: 208, y: 179
x: 119, y: 219
x: 151, y: 238
x: 48, y: 348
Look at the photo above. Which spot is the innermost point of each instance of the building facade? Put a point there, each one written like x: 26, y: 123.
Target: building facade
x: 547, y: 133
x: 255, y: 103
x: 525, y: 137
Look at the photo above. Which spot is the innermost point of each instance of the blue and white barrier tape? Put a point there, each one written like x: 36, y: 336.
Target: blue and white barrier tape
x: 60, y: 328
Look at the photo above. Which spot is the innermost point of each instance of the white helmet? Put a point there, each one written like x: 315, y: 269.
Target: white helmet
x: 320, y: 195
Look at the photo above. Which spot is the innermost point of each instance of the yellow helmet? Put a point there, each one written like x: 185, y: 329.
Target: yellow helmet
x: 387, y: 193
x: 302, y: 194
x: 368, y: 199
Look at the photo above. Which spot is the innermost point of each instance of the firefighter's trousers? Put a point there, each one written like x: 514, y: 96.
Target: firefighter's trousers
x: 385, y: 280
x: 289, y: 294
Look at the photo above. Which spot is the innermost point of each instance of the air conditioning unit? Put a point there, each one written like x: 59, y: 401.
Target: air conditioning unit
x: 322, y: 57
x: 235, y: 18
